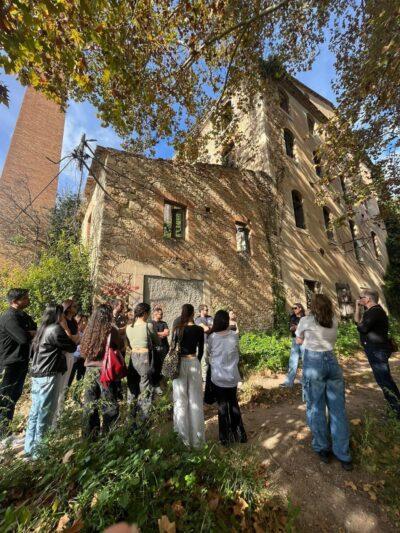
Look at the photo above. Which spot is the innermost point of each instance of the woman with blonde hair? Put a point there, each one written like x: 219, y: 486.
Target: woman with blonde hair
x: 323, y: 382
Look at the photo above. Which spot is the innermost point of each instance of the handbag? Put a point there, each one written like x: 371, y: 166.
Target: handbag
x: 172, y: 361
x: 113, y: 367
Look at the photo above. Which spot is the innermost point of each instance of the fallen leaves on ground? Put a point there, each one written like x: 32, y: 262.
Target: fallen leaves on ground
x: 62, y: 523
x: 240, y: 507
x: 68, y: 456
x: 178, y: 508
x: 165, y: 526
x: 213, y: 500
x: 350, y: 485
x: 356, y: 421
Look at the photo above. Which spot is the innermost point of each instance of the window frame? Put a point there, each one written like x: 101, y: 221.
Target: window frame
x: 175, y: 208
x: 327, y: 213
x: 246, y: 232
x: 300, y: 206
x: 284, y: 99
x: 287, y: 131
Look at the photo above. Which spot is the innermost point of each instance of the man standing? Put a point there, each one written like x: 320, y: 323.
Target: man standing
x: 161, y: 328
x: 373, y: 328
x: 17, y: 329
x: 205, y: 321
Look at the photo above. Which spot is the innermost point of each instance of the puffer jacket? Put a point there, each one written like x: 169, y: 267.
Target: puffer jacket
x: 48, y: 359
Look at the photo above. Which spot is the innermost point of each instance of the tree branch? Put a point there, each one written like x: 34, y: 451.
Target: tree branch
x: 239, y: 25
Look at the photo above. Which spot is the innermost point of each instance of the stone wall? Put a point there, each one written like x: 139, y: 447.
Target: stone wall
x: 131, y: 244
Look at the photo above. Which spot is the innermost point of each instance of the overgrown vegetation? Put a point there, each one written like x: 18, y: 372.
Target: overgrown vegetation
x: 61, y: 272
x: 138, y: 477
x: 376, y: 445
x: 271, y: 350
x: 392, y: 275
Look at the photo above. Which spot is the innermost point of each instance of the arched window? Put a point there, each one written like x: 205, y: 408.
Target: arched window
x: 288, y: 137
x: 284, y: 101
x: 356, y: 244
x: 375, y: 244
x: 298, y: 209
x: 317, y: 164
x: 328, y: 223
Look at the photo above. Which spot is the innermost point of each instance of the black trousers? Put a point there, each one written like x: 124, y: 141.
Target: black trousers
x: 11, y: 388
x: 96, y: 399
x: 78, y: 370
x: 378, y: 358
x: 231, y: 428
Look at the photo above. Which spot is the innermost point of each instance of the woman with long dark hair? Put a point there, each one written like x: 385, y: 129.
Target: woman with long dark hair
x: 223, y: 349
x: 97, y: 397
x: 141, y: 338
x: 323, y: 382
x: 187, y: 387
x: 48, y: 363
x: 296, y: 350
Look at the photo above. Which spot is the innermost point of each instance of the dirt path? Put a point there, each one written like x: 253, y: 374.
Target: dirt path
x: 275, y: 422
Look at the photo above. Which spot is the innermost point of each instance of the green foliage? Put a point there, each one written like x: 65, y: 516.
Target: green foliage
x: 134, y: 476
x: 61, y: 272
x: 348, y: 341
x: 392, y: 276
x: 262, y: 350
x: 64, y: 219
x: 376, y: 448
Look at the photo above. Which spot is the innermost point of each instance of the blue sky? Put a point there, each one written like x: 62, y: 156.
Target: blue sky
x: 81, y: 117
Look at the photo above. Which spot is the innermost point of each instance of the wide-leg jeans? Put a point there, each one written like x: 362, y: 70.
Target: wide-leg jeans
x: 188, y: 403
x: 324, y: 391
x: 296, y: 353
x: 44, y: 391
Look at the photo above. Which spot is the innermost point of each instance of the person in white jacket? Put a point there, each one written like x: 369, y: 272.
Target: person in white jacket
x: 223, y: 346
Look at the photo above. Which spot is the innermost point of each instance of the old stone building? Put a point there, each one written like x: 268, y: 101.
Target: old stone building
x: 239, y: 229
x: 27, y: 190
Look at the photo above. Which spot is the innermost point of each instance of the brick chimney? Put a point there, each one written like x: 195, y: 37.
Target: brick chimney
x: 38, y: 134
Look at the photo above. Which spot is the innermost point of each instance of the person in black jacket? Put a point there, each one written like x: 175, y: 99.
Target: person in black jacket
x: 17, y: 329
x: 52, y: 339
x: 373, y: 328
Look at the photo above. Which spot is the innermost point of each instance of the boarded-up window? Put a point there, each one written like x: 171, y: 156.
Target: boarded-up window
x: 311, y: 287
x: 242, y: 238
x: 228, y: 155
x: 310, y: 125
x: 356, y: 244
x: 345, y: 300
x: 174, y: 221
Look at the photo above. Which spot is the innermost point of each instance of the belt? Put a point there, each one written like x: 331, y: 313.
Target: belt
x: 190, y: 356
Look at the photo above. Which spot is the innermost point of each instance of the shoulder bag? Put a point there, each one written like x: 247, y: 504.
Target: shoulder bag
x: 113, y: 367
x: 172, y: 361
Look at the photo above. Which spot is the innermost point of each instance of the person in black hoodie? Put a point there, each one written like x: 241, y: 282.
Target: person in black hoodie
x: 373, y: 328
x: 17, y: 329
x: 52, y: 339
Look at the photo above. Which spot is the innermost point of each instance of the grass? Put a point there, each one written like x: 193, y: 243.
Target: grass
x: 376, y: 445
x: 138, y: 477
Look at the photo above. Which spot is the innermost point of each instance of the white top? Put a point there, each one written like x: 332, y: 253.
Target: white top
x: 316, y: 337
x: 223, y: 349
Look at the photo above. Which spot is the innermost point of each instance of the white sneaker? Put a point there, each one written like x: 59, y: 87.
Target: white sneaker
x: 159, y: 391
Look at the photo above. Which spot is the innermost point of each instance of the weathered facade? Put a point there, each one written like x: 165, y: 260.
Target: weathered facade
x: 240, y: 228
x: 129, y: 237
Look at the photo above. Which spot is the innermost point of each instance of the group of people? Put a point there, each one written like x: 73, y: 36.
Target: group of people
x: 68, y: 345
x: 313, y: 340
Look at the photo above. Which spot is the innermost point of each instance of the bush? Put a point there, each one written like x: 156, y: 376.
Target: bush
x: 62, y: 272
x: 262, y: 350
x: 133, y: 476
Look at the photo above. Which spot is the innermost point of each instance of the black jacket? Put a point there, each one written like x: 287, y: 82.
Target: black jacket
x: 15, y: 340
x: 374, y: 328
x: 48, y: 359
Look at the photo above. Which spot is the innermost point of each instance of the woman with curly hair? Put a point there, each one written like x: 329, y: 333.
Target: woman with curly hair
x: 323, y: 382
x: 97, y: 397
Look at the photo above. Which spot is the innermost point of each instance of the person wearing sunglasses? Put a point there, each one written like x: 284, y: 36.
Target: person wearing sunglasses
x: 373, y: 328
x: 296, y: 349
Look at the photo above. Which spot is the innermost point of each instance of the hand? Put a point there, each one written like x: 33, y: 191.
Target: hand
x: 63, y: 322
x: 358, y: 302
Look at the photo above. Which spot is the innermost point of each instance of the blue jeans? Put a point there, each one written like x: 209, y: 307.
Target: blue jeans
x: 324, y: 388
x: 378, y: 358
x: 296, y: 353
x: 44, y: 393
